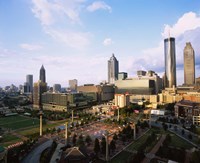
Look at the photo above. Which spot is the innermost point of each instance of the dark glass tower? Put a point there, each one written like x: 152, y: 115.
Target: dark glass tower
x: 170, y: 62
x: 113, y: 69
x: 42, y: 75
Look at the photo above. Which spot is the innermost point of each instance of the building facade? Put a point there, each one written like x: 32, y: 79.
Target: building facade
x: 65, y: 101
x: 56, y: 88
x: 73, y: 85
x: 170, y: 62
x: 189, y: 65
x: 39, y: 88
x: 113, y: 69
x: 103, y: 92
x: 147, y: 83
x: 42, y: 74
x: 29, y: 81
x: 122, y: 75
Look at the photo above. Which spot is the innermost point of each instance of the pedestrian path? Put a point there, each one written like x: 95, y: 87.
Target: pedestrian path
x: 57, y: 154
x: 152, y: 153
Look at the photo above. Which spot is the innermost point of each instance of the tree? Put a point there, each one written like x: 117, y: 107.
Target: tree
x: 103, y: 145
x: 88, y: 140
x: 112, y: 145
x: 80, y: 141
x: 74, y: 139
x: 96, y: 146
x: 190, y: 136
x: 115, y: 137
x: 183, y: 131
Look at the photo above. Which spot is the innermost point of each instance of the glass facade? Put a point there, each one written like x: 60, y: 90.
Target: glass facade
x: 170, y: 62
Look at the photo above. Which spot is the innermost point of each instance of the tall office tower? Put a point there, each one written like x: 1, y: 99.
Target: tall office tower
x: 170, y: 62
x: 42, y: 74
x: 73, y: 85
x: 39, y: 88
x: 113, y: 69
x: 29, y: 81
x: 56, y: 88
x: 189, y: 65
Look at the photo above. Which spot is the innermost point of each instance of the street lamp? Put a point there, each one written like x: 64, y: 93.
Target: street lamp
x: 40, y: 113
x: 66, y: 130
x: 118, y: 113
x: 107, y: 153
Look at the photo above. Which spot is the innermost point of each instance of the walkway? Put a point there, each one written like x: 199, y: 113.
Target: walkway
x: 152, y: 153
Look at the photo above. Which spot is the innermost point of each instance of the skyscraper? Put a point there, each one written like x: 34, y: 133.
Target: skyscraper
x: 29, y: 81
x: 42, y: 74
x: 189, y: 65
x: 73, y: 85
x: 113, y: 69
x: 170, y: 62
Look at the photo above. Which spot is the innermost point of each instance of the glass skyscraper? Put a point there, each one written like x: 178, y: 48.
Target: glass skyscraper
x: 170, y: 62
x: 42, y: 75
x: 113, y: 69
x: 29, y: 81
x: 189, y: 65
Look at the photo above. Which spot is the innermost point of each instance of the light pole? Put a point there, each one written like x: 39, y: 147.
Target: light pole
x: 41, y: 113
x: 134, y: 131
x: 72, y: 115
x: 66, y: 130
x: 107, y: 153
x: 118, y: 113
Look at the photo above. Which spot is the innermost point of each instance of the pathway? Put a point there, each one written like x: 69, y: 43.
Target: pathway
x: 152, y: 153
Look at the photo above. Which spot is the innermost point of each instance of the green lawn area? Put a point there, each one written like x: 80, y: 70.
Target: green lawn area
x: 9, y: 139
x: 31, y: 131
x: 122, y: 157
x: 136, y: 144
x: 18, y: 122
x: 179, y: 143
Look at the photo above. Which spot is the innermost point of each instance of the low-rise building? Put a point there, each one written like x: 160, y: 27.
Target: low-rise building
x: 122, y: 100
x: 103, y: 92
x: 187, y: 109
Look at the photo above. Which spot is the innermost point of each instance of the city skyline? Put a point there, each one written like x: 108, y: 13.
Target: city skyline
x: 68, y: 39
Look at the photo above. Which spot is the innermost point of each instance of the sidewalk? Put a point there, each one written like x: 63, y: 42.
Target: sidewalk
x: 152, y: 153
x: 57, y: 153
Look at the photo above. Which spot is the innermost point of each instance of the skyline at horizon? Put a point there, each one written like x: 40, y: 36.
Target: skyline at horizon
x: 74, y: 40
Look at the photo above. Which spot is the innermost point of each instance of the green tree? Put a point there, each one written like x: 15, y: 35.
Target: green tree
x: 103, y: 145
x: 112, y: 145
x: 96, y: 146
x: 88, y: 140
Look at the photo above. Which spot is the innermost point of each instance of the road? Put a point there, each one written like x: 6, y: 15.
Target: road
x: 34, y: 155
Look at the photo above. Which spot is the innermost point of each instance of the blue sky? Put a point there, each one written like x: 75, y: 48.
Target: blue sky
x: 75, y: 38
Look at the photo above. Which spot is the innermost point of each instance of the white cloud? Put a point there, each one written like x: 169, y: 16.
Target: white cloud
x: 73, y: 39
x: 99, y: 5
x: 189, y: 21
x: 107, y: 42
x: 58, y: 19
x: 30, y: 47
x: 186, y: 29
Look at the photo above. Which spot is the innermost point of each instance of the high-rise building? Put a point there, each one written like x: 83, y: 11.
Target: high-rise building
x: 42, y: 74
x: 39, y: 88
x: 113, y: 69
x: 73, y: 85
x: 56, y: 88
x: 122, y: 75
x: 29, y: 81
x: 170, y: 62
x: 189, y: 65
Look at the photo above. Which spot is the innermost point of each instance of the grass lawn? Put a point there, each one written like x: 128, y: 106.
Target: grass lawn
x: 122, y: 157
x: 18, y: 122
x: 36, y: 129
x: 9, y: 139
x: 136, y: 144
x: 179, y: 143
